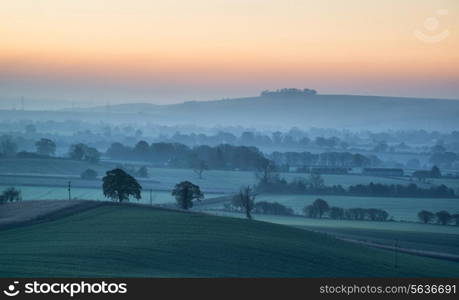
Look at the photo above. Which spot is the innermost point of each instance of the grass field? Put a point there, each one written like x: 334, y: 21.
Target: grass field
x: 165, y: 178
x: 50, y: 166
x: 124, y: 241
x: 427, y: 237
x: 298, y: 221
x: 405, y: 209
x: 56, y: 193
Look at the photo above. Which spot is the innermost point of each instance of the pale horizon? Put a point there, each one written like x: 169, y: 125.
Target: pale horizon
x: 161, y: 53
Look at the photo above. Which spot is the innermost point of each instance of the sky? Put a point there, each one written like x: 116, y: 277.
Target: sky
x: 112, y: 51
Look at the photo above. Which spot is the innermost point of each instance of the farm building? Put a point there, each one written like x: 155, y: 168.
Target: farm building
x: 383, y: 172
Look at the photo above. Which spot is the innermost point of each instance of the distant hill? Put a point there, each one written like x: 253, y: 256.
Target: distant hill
x: 276, y: 111
x: 338, y: 111
x: 113, y: 240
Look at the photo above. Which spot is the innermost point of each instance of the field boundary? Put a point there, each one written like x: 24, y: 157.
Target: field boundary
x: 425, y: 253
x: 80, y: 206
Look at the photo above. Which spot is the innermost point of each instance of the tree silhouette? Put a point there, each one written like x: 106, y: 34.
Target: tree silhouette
x: 199, y: 167
x: 45, y: 147
x: 425, y: 216
x: 320, y: 206
x: 443, y: 217
x: 10, y: 195
x: 119, y: 186
x: 185, y: 192
x: 247, y: 200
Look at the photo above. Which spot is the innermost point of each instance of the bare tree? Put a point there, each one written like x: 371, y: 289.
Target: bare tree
x: 266, y: 171
x: 247, y: 200
x: 199, y: 167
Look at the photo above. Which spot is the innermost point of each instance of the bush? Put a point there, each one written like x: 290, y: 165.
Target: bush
x: 10, y: 195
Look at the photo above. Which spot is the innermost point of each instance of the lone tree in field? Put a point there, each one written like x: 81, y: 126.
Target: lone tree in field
x: 185, y: 192
x: 45, y: 147
x: 199, y: 167
x: 10, y: 195
x: 321, y: 207
x: 426, y: 216
x: 119, y: 186
x: 247, y: 201
x: 443, y: 217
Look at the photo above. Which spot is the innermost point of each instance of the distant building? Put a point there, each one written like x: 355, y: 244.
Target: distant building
x: 383, y: 172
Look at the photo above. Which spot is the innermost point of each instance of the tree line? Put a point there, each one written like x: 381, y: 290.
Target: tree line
x: 10, y: 195
x: 239, y: 202
x: 442, y: 217
x: 222, y: 157
x: 325, y: 159
x: 314, y: 184
x: 320, y: 208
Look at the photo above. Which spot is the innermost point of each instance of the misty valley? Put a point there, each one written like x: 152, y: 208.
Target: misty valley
x: 286, y: 148
x: 393, y: 189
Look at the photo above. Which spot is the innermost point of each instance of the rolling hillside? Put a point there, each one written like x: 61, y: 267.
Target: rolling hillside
x: 274, y: 112
x: 131, y: 240
x: 350, y: 111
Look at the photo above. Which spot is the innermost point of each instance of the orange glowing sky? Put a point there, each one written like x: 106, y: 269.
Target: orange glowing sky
x: 170, y: 51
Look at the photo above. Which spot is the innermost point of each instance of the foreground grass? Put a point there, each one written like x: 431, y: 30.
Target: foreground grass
x: 119, y: 240
x: 427, y: 237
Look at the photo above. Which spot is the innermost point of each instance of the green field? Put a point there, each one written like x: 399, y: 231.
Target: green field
x: 218, y: 181
x: 56, y: 193
x: 124, y: 241
x: 49, y: 166
x: 298, y: 221
x: 418, y: 236
x: 405, y: 209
